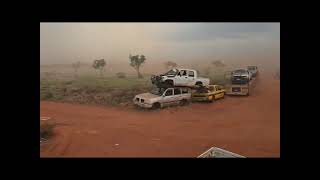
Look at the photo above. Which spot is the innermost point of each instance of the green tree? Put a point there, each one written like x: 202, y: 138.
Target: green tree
x: 136, y: 61
x: 99, y: 65
x: 218, y: 64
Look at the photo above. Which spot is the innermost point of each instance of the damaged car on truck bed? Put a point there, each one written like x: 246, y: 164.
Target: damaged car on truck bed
x: 162, y: 97
x: 179, y: 77
x: 209, y: 93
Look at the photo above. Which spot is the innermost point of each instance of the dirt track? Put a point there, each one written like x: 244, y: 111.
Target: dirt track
x: 249, y: 126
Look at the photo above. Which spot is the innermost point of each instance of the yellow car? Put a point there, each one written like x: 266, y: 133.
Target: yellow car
x: 209, y: 93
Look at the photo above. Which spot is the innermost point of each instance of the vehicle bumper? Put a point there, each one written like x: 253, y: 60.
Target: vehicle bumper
x: 200, y: 98
x: 143, y: 105
x: 243, y: 91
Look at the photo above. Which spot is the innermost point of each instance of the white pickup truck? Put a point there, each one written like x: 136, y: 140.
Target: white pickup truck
x: 180, y: 77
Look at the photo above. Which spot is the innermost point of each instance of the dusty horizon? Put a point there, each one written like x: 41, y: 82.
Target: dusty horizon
x: 184, y: 43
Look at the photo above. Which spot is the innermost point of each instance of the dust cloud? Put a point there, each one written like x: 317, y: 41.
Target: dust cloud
x: 190, y: 45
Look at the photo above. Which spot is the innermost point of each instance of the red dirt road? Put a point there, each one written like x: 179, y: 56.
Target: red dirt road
x: 249, y: 126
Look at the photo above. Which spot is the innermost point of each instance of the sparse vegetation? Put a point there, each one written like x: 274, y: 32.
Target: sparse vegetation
x: 92, y: 90
x: 121, y: 75
x: 216, y: 72
x: 76, y: 67
x: 170, y: 65
x: 136, y: 61
x: 99, y: 65
x: 218, y: 63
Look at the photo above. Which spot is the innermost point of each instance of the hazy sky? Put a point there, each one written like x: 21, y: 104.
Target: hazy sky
x: 69, y: 42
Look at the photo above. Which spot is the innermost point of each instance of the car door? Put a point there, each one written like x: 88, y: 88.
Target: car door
x: 182, y: 78
x: 185, y: 93
x: 177, y: 95
x: 168, y: 98
x: 191, y: 78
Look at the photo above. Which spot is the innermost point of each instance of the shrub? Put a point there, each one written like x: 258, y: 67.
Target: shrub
x: 48, y: 95
x: 121, y: 75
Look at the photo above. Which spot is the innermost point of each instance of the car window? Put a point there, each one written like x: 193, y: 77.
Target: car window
x: 211, y: 88
x: 183, y: 72
x: 169, y: 92
x: 177, y: 91
x: 191, y: 74
x: 171, y: 72
x: 218, y: 88
x: 184, y: 91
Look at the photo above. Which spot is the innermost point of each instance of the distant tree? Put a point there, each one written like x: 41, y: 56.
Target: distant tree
x: 99, y: 65
x: 170, y: 65
x: 218, y: 63
x: 76, y: 66
x: 136, y: 61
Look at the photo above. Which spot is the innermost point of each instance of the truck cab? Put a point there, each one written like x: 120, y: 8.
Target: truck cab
x: 240, y: 76
x: 180, y: 77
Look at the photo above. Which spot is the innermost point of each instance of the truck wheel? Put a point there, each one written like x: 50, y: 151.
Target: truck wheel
x: 169, y: 83
x: 198, y: 83
x: 156, y: 105
x: 183, y: 102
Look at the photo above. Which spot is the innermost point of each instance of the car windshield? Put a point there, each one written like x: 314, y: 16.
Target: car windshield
x: 251, y: 68
x: 171, y: 72
x: 157, y: 91
x: 240, y: 71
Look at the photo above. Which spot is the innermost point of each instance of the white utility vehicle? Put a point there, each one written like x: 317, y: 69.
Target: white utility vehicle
x: 161, y: 97
x: 180, y: 77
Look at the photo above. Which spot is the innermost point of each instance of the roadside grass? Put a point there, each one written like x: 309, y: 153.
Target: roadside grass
x: 106, y: 90
x: 88, y: 89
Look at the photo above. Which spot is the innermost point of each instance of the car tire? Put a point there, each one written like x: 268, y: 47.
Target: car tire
x: 198, y: 83
x: 156, y: 105
x: 183, y: 102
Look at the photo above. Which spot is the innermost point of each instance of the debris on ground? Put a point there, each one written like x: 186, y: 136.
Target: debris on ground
x: 215, y: 152
x: 42, y: 140
x: 45, y: 118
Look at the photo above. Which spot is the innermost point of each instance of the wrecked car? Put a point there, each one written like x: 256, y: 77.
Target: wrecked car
x: 179, y: 77
x: 162, y: 97
x: 208, y: 93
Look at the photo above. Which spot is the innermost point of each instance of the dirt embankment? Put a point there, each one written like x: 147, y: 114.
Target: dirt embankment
x: 249, y: 126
